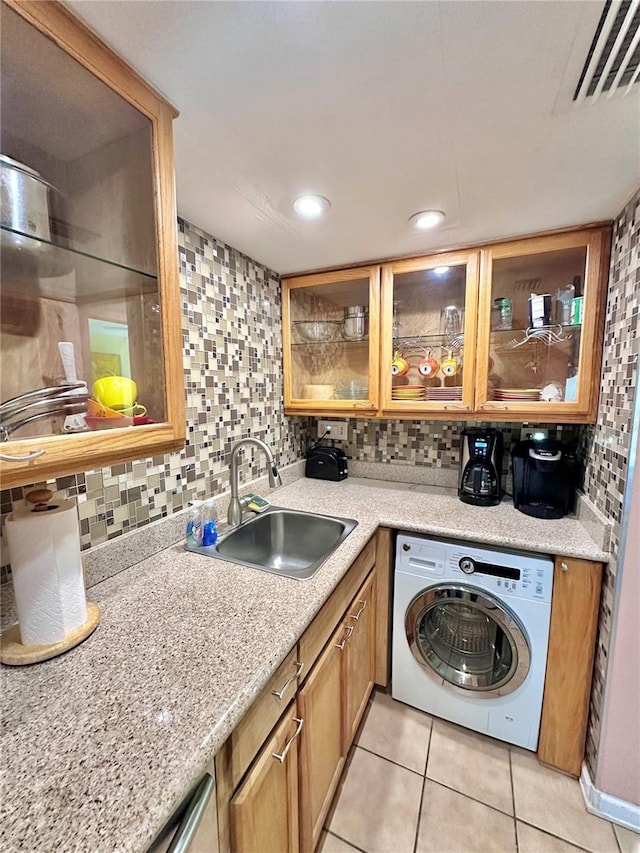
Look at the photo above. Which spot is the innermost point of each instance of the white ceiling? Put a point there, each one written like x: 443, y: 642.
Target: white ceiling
x: 386, y: 108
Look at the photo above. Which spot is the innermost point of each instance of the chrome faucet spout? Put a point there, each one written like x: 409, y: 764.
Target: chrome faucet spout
x: 234, y: 516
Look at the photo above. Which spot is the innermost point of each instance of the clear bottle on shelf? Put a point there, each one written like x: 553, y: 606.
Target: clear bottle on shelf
x: 209, y: 523
x: 194, y: 528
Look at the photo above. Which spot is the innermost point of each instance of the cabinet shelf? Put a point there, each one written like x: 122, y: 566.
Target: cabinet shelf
x: 51, y: 271
x: 339, y: 342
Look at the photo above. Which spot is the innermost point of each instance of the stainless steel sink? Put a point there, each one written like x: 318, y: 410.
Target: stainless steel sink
x: 282, y: 541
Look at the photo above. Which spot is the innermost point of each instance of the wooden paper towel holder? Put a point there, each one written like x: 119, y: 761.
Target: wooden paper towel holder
x: 14, y: 653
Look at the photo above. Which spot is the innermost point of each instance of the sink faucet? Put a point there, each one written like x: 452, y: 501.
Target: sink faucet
x: 237, y: 505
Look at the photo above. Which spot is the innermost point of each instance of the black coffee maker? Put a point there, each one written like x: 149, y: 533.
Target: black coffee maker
x: 545, y: 477
x: 480, y: 467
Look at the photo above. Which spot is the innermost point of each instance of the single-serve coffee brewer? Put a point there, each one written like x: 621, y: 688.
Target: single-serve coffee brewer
x: 480, y: 467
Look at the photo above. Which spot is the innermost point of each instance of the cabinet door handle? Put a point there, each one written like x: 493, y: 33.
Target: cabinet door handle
x: 280, y: 693
x: 361, y: 611
x: 348, y: 633
x: 564, y: 566
x: 363, y: 406
x: 282, y: 755
x: 492, y: 406
x: 462, y: 406
x: 192, y: 817
x: 5, y: 457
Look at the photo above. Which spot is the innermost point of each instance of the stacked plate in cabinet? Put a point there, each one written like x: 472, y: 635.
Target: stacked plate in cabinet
x: 517, y: 395
x: 407, y: 393
x: 445, y: 394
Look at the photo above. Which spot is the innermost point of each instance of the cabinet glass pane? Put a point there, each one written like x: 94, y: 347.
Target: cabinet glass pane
x: 428, y: 335
x: 330, y: 341
x: 78, y: 238
x: 536, y: 314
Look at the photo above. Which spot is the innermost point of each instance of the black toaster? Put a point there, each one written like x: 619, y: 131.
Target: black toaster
x: 326, y: 463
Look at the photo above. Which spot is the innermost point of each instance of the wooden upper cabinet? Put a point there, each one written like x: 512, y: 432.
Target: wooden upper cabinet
x: 429, y: 312
x: 540, y: 327
x: 509, y: 331
x: 89, y: 251
x: 331, y: 342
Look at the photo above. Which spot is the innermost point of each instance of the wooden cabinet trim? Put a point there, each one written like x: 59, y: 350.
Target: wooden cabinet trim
x: 317, y: 634
x: 572, y: 643
x: 384, y: 570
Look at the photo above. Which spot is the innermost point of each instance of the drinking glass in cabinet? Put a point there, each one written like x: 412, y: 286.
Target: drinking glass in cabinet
x: 536, y: 327
x: 330, y: 340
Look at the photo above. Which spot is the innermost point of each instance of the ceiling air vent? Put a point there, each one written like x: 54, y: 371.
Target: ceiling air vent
x: 613, y: 61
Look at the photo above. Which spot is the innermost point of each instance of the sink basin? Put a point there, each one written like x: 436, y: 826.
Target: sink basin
x: 282, y: 541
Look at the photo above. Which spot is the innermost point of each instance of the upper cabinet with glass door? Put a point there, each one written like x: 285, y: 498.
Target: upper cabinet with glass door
x: 330, y: 340
x: 429, y: 312
x: 539, y: 337
x: 89, y: 313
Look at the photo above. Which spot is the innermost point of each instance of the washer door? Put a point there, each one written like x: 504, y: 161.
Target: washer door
x: 469, y: 638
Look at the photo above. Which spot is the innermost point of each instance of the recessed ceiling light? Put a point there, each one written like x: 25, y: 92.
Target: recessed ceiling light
x: 427, y: 219
x: 311, y: 206
x: 441, y: 270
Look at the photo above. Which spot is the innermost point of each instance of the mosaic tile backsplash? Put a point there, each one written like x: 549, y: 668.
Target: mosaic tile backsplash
x: 232, y: 348
x: 608, y: 442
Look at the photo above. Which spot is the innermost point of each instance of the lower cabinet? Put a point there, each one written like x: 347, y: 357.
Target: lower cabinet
x: 277, y: 799
x: 322, y: 706
x: 263, y: 813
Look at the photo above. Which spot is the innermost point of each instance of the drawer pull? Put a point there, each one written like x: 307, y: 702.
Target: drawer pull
x: 348, y: 633
x: 282, y: 755
x: 361, y: 611
x: 280, y: 693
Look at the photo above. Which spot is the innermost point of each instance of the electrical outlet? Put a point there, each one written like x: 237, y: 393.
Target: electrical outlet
x: 533, y: 432
x: 337, y: 429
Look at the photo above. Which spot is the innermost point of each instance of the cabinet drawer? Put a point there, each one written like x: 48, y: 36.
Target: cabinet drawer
x: 244, y: 742
x: 315, y: 637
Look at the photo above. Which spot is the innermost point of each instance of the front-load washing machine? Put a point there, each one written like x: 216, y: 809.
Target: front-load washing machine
x: 470, y: 635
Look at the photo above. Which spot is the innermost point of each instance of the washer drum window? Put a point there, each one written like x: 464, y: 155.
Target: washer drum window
x: 469, y: 638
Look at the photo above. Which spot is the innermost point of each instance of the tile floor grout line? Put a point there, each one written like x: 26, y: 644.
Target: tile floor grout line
x: 344, y: 840
x: 390, y: 760
x: 469, y: 797
x: 558, y: 837
x: 513, y: 803
x: 424, y: 785
x: 615, y: 835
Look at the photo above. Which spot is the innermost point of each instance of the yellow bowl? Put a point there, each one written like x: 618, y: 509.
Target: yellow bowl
x: 115, y: 392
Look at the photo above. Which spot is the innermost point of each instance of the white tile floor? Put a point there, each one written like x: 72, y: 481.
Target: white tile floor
x: 414, y: 784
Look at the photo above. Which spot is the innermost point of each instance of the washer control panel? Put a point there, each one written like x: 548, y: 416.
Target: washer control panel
x: 519, y: 575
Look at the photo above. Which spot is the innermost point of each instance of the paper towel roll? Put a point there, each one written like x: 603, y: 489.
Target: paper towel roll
x: 46, y: 567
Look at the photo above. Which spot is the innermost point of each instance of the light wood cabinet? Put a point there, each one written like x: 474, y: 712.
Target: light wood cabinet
x: 98, y: 266
x: 455, y: 337
x: 572, y: 644
x: 329, y: 676
x: 264, y: 810
x: 359, y: 663
x: 322, y: 747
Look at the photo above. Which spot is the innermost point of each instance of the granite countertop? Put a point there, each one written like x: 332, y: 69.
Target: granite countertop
x: 101, y: 744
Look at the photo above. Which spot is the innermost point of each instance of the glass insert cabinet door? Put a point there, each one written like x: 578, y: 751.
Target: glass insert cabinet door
x: 429, y: 326
x: 80, y: 298
x: 538, y: 325
x: 330, y: 338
